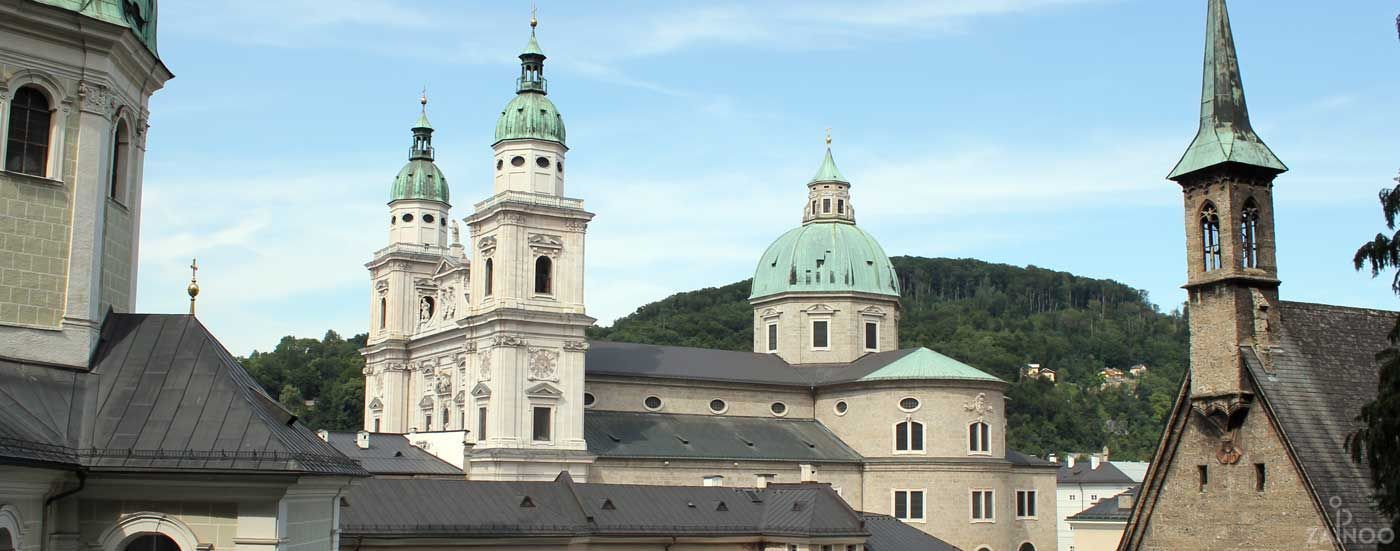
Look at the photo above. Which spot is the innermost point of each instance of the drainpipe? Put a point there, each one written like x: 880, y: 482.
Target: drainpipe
x: 44, y: 520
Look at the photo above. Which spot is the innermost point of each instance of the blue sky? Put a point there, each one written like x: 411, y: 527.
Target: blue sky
x: 1018, y: 131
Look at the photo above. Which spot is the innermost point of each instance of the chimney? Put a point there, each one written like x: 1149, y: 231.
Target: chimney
x: 362, y: 440
x: 324, y: 435
x: 1105, y: 453
x: 1094, y: 461
x: 1069, y: 461
x: 1053, y: 458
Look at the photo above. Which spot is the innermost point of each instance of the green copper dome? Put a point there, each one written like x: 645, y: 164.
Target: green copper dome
x: 422, y: 180
x: 530, y: 116
x: 137, y: 15
x: 825, y: 258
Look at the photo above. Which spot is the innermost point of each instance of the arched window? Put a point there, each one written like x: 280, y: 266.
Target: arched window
x: 152, y: 542
x: 121, y: 153
x: 383, y: 313
x: 27, y: 150
x: 445, y: 419
x: 979, y: 438
x: 1210, y: 237
x: 544, y: 268
x: 490, y: 275
x: 7, y: 542
x: 1026, y: 547
x: 1249, y: 234
x: 909, y: 436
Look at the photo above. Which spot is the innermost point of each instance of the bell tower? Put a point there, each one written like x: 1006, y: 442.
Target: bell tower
x: 1226, y: 177
x: 525, y: 335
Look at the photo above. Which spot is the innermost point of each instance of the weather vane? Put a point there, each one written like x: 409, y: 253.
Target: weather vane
x: 193, y: 288
x: 533, y: 22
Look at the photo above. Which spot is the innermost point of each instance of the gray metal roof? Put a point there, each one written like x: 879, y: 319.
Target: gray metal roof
x: 1324, y: 370
x: 624, y: 359
x: 1083, y: 473
x: 161, y: 395
x: 1110, y: 509
x: 391, y: 454
x: 666, y: 435
x: 1023, y: 460
x: 427, y: 508
x: 890, y: 534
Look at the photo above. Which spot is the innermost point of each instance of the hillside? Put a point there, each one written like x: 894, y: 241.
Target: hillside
x: 998, y: 318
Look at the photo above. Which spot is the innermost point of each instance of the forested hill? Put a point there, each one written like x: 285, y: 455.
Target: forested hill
x: 998, y: 318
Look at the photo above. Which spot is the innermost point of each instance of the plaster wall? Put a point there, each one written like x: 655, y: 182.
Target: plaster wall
x: 1094, y: 536
x: 946, y: 411
x: 846, y: 315
x: 693, y: 397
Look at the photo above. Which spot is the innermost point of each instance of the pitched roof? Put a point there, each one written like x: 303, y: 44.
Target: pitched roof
x: 161, y: 395
x: 465, y: 508
x: 890, y: 534
x: 1110, y: 509
x: 1083, y: 473
x: 628, y: 434
x: 1324, y: 370
x: 679, y: 362
x: 391, y: 454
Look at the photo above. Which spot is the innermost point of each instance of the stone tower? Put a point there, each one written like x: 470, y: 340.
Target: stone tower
x: 525, y: 334
x: 825, y: 292
x: 402, y: 296
x: 1226, y: 178
x: 73, y: 109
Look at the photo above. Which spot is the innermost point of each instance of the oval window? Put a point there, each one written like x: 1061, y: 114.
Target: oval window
x: 407, y: 217
x: 517, y: 161
x: 718, y: 406
x: 909, y: 404
x: 443, y: 221
x: 588, y: 399
x: 428, y: 218
x: 559, y: 166
x: 499, y: 164
x: 842, y: 407
x: 393, y: 220
x: 652, y: 403
x: 778, y: 408
x: 543, y: 162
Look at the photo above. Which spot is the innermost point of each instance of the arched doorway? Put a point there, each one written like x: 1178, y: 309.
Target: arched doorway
x: 7, y: 542
x: 152, y: 542
x: 1026, y: 547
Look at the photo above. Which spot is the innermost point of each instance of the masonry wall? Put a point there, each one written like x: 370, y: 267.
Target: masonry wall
x: 843, y: 477
x: 1227, y: 513
x: 34, y: 232
x: 872, y: 410
x: 212, y: 522
x: 948, y: 487
x: 694, y: 397
x: 117, y: 255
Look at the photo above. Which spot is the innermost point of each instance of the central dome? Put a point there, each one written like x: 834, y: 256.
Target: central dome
x: 825, y: 258
x: 530, y: 116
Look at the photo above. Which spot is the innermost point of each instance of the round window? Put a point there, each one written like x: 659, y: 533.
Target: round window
x: 499, y: 164
x: 517, y: 161
x: 841, y: 407
x: 428, y: 218
x: 652, y: 403
x: 718, y: 406
x: 778, y: 408
x: 407, y: 217
x: 909, y: 404
x: 588, y: 399
x: 543, y: 162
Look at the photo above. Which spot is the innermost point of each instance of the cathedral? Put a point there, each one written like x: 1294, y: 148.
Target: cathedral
x: 480, y: 339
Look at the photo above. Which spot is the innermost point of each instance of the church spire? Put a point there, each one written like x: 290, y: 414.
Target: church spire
x: 1225, y: 135
x: 422, y: 132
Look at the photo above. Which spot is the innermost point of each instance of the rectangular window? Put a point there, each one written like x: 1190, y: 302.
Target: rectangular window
x: 909, y: 504
x: 872, y: 335
x: 772, y: 337
x: 1205, y: 476
x: 376, y: 424
x: 983, y: 506
x: 1259, y: 477
x: 826, y: 205
x: 714, y: 480
x: 427, y: 421
x: 840, y: 206
x: 819, y: 335
x: 542, y: 420
x: 1025, y: 504
x: 481, y: 423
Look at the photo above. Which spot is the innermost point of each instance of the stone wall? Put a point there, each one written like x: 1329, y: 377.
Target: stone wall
x: 846, y: 315
x: 116, y: 259
x: 693, y: 397
x: 34, y: 232
x: 212, y: 522
x: 946, y: 411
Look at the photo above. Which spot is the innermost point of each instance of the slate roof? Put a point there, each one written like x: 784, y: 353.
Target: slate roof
x: 703, y: 364
x: 1108, y: 509
x: 1082, y: 473
x: 890, y: 534
x: 161, y: 395
x: 465, y: 508
x: 1324, y: 370
x: 665, y: 435
x: 391, y: 454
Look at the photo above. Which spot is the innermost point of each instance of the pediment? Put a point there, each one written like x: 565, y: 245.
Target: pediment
x: 819, y: 308
x: 376, y: 405
x: 875, y: 311
x: 544, y: 390
x: 770, y: 313
x: 426, y: 402
x: 461, y: 397
x: 481, y: 391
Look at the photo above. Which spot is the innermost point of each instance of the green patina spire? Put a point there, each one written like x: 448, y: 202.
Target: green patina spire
x: 1225, y: 135
x: 828, y: 171
x: 420, y: 178
x: 530, y: 115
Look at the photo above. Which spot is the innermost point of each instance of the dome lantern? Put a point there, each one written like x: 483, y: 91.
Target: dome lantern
x: 530, y: 115
x: 420, y: 178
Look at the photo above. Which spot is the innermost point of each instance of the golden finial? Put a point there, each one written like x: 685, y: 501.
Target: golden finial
x: 423, y: 99
x: 828, y: 136
x: 533, y: 22
x: 193, y: 288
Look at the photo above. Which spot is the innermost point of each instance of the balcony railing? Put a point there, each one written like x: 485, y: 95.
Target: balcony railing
x: 528, y: 198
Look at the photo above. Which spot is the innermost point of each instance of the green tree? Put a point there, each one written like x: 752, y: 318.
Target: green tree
x: 320, y: 381
x: 1377, y: 442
